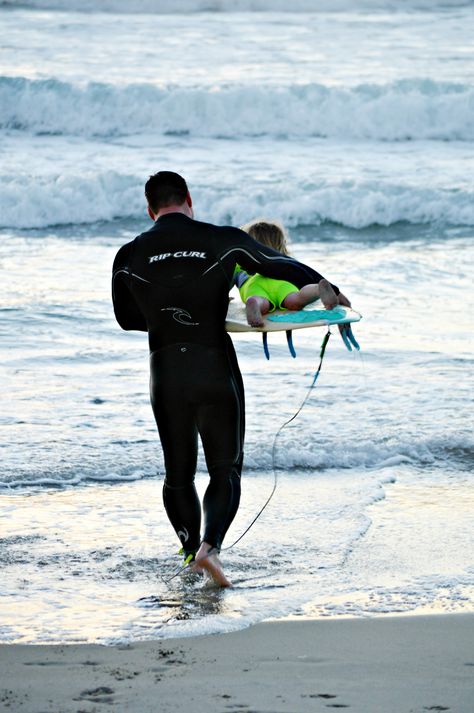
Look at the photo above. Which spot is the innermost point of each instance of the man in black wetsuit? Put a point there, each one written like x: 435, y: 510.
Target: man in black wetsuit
x: 173, y: 282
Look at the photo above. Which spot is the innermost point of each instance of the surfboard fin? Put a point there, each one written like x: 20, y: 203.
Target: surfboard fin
x: 289, y: 339
x: 348, y: 338
x: 265, y: 345
x: 353, y: 339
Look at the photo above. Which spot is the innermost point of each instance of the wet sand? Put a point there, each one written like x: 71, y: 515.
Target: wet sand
x: 383, y: 665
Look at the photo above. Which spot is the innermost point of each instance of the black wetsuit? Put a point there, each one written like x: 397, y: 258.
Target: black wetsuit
x: 173, y: 282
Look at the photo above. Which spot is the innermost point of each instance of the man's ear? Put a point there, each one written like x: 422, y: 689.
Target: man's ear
x: 151, y: 214
x: 189, y: 200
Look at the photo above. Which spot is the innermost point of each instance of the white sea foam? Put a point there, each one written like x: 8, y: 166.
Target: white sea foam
x: 58, y: 199
x: 39, y: 202
x: 267, y: 573
x: 186, y: 6
x: 303, y: 452
x: 411, y: 109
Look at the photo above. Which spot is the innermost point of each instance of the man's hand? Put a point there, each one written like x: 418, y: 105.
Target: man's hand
x: 346, y: 329
x: 343, y: 300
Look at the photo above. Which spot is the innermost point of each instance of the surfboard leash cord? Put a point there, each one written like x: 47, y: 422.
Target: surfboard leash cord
x: 275, y: 439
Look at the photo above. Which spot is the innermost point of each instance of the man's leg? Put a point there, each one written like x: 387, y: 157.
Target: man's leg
x: 221, y: 423
x: 219, y: 428
x: 178, y: 435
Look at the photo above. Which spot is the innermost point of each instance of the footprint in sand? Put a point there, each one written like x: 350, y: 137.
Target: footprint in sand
x: 102, y: 694
x: 319, y: 695
x: 326, y: 696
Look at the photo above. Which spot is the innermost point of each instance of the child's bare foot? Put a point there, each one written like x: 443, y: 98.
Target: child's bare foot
x: 253, y: 312
x: 208, y: 561
x: 327, y: 295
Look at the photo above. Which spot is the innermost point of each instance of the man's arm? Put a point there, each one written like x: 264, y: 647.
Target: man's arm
x: 127, y: 311
x: 253, y: 257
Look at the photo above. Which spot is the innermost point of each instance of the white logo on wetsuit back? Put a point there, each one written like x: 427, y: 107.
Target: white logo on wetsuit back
x: 180, y: 253
x: 181, y: 316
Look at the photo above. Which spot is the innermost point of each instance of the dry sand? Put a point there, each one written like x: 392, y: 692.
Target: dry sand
x: 384, y: 665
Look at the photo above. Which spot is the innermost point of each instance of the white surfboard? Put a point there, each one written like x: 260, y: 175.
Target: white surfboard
x: 313, y: 315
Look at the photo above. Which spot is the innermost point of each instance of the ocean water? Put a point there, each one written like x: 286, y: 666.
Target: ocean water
x: 353, y: 123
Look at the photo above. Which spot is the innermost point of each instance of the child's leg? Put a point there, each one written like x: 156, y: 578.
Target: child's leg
x: 255, y: 307
x: 298, y: 300
x: 309, y: 293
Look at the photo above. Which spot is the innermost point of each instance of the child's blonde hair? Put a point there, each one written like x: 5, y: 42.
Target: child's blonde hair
x: 269, y: 233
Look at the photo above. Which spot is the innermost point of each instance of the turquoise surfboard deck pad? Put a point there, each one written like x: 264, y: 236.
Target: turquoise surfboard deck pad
x: 313, y: 315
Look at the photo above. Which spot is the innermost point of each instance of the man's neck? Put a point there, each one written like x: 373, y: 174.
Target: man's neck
x: 184, y: 209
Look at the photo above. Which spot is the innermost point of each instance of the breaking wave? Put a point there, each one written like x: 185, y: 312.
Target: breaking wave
x: 296, y: 456
x: 411, y: 109
x: 41, y: 202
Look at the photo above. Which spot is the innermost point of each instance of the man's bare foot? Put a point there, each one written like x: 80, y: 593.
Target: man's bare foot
x: 208, y: 561
x: 327, y: 295
x: 253, y: 313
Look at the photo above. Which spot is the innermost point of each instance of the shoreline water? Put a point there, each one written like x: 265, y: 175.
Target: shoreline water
x: 102, y: 573
x: 394, y: 665
x: 396, y: 416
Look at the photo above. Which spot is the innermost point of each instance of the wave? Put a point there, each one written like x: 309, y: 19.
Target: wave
x: 72, y: 199
x: 411, y: 109
x: 364, y: 454
x: 292, y: 455
x: 187, y: 6
x: 42, y: 202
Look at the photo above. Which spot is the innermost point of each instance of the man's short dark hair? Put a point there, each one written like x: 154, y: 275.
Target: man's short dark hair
x: 165, y: 188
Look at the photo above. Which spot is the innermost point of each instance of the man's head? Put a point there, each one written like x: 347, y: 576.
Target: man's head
x: 165, y: 190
